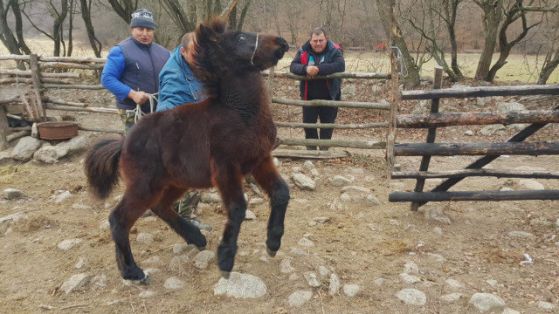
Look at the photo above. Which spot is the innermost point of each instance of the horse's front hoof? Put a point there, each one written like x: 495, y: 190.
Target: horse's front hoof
x: 225, y: 274
x: 142, y: 281
x: 271, y: 253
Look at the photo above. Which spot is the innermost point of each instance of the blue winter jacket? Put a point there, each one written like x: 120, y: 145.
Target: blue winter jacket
x: 133, y: 65
x: 177, y: 83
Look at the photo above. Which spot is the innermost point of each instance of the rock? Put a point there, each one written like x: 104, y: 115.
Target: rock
x: 520, y: 235
x: 299, y: 298
x: 490, y: 130
x: 351, y: 290
x: 510, y: 107
x: 285, y: 266
x: 256, y: 201
x: 80, y: 263
x: 173, y: 283
x: 340, y: 181
x: 469, y: 133
x: 530, y: 184
x: 13, y: 217
x: 75, y: 282
x: 379, y: 281
x: 320, y: 220
x: 202, y: 259
x: 485, y: 302
x: 411, y: 296
x: 540, y: 222
x: 308, y: 165
x: 68, y: 244
x: 99, y: 281
x: 303, y: 182
x: 438, y: 231
x: 409, y: 279
x: 210, y: 198
x: 25, y: 148
x: 451, y: 297
x: 11, y: 194
x: 47, y: 154
x: 241, y: 286
x: 250, y: 215
x: 492, y: 282
x: 144, y: 238
x: 335, y: 284
x: 510, y: 311
x: 147, y: 294
x: 304, y: 242
x: 5, y: 156
x: 104, y: 225
x: 324, y: 272
x: 436, y: 214
x: 454, y: 284
x: 315, y: 174
x: 61, y: 196
x: 81, y: 206
x: 74, y: 145
x: 179, y: 248
x: 312, y: 279
x: 437, y: 257
x: 546, y: 306
x: 411, y: 268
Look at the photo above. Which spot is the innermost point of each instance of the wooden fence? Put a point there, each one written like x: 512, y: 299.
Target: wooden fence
x: 40, y: 79
x: 490, y: 151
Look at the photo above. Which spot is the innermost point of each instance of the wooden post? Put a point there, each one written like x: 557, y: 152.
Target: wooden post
x: 431, y: 134
x: 3, y: 128
x: 395, y: 77
x: 36, y: 76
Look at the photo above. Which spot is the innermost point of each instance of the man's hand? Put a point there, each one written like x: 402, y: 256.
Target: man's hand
x: 312, y: 70
x: 138, y: 97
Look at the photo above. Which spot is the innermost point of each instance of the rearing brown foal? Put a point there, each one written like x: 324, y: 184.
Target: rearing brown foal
x: 212, y: 143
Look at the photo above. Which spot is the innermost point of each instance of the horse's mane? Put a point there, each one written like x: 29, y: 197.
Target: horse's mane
x: 207, y: 61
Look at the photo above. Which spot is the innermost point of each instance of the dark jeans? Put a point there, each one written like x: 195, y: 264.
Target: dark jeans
x: 326, y: 115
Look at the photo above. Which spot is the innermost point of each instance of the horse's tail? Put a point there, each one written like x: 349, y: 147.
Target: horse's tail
x: 101, y: 166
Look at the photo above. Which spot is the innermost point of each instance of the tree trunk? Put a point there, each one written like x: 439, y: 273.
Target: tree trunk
x: 57, y: 27
x: 15, y: 45
x: 385, y: 12
x: 85, y: 7
x: 492, y: 15
x: 451, y: 28
x: 549, y: 66
x: 125, y: 9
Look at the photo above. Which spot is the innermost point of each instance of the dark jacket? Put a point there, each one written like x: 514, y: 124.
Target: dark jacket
x: 330, y: 61
x: 133, y: 65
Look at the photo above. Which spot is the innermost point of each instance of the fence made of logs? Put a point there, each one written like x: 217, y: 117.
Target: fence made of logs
x: 48, y: 73
x: 490, y: 151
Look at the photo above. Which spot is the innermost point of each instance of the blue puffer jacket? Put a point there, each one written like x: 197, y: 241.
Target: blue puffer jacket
x: 177, y: 83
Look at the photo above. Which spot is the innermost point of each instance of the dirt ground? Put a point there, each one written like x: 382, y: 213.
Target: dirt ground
x: 363, y: 244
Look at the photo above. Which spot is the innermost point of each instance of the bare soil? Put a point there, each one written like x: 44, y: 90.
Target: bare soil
x: 360, y: 243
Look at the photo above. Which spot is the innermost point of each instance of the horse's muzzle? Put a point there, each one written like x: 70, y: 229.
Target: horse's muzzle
x: 283, y: 47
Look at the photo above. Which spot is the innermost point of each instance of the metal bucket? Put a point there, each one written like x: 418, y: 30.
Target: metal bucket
x: 57, y: 130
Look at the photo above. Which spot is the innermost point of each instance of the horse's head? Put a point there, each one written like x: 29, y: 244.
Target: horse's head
x: 219, y: 49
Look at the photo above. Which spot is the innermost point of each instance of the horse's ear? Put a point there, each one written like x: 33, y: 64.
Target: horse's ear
x: 205, y: 34
x: 218, y: 24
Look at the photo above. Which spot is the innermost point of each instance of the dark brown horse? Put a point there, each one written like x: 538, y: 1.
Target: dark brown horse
x: 213, y: 143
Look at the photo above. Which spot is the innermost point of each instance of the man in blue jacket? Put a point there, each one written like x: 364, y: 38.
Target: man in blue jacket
x: 132, y: 69
x: 177, y: 83
x: 317, y: 57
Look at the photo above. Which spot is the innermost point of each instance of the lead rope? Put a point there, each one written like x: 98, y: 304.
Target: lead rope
x: 138, y: 113
x: 254, y: 52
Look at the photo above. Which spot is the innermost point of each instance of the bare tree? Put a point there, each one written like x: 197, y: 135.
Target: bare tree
x: 386, y: 13
x: 492, y: 15
x: 551, y: 60
x: 85, y: 8
x: 124, y: 8
x: 14, y: 43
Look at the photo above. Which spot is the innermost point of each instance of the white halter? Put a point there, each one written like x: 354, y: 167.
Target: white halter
x: 254, y: 52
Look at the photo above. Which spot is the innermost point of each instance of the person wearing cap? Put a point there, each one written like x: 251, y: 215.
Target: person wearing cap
x: 131, y: 72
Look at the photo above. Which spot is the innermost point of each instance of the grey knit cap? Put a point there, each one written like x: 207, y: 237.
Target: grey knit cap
x: 142, y: 18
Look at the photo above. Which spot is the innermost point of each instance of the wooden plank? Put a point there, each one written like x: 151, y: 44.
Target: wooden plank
x: 10, y: 100
x: 309, y: 154
x: 14, y: 57
x: 431, y: 134
x: 477, y: 118
x: 55, y: 101
x: 482, y: 91
x: 331, y: 103
x: 4, y: 128
x: 66, y: 65
x: 37, y: 88
x: 334, y: 143
x: 86, y: 109
x: 474, y: 196
x: 43, y: 75
x: 475, y: 173
x: 343, y: 75
x: 74, y: 59
x: 451, y: 149
x: 18, y: 134
x: 74, y: 86
x: 100, y: 130
x: 371, y: 125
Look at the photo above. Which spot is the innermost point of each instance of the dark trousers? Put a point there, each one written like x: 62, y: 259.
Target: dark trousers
x: 326, y: 115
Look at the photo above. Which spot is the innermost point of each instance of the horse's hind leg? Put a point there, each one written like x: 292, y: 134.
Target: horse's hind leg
x: 123, y: 217
x: 184, y: 228
x: 229, y: 182
x: 268, y: 178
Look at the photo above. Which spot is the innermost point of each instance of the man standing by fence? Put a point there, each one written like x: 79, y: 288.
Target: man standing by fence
x: 132, y: 69
x: 318, y: 57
